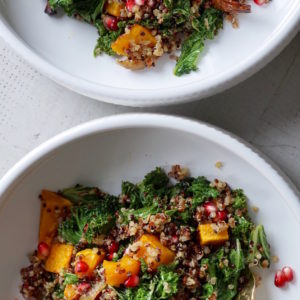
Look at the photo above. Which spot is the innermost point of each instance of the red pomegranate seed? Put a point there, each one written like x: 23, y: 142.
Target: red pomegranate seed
x: 288, y: 273
x: 110, y: 256
x: 111, y: 23
x: 260, y: 2
x: 209, y: 208
x: 140, y: 2
x: 221, y: 215
x: 130, y: 4
x: 83, y: 287
x: 81, y: 267
x: 43, y: 249
x: 113, y: 247
x: 174, y: 239
x: 132, y: 281
x: 279, y: 280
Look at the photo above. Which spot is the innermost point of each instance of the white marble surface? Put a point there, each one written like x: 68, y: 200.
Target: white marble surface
x: 264, y: 110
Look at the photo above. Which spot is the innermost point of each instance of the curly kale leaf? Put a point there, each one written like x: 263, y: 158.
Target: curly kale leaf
x: 85, y: 222
x: 201, y: 191
x: 163, y: 285
x: 207, y: 27
x: 82, y: 195
x: 106, y: 38
x: 242, y: 229
x: 239, y: 199
x: 89, y: 10
x: 131, y: 191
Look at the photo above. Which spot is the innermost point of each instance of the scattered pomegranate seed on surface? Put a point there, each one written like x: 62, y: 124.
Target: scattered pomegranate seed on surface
x: 130, y: 4
x: 43, y: 249
x: 132, y: 281
x: 83, y: 287
x: 81, y: 267
x: 288, y: 273
x: 111, y: 23
x: 279, y: 280
x: 209, y: 208
x: 174, y: 239
x: 221, y: 215
x: 113, y: 247
x: 260, y: 2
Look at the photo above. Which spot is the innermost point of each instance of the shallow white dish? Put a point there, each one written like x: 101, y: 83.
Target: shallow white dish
x: 62, y: 48
x: 106, y: 151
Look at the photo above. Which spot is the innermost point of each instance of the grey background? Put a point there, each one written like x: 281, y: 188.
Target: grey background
x: 264, y: 110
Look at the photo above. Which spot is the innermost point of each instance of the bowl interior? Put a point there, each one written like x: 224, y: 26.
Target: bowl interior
x: 106, y: 158
x: 68, y: 45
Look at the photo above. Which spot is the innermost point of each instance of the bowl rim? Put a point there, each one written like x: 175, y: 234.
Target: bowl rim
x: 147, y: 120
x: 163, y: 96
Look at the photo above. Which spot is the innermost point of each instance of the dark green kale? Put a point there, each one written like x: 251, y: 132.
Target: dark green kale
x: 59, y: 291
x: 89, y: 10
x: 201, y: 190
x: 107, y: 37
x: 85, y: 222
x: 132, y: 191
x: 81, y: 195
x: 242, y: 229
x: 259, y: 245
x: 239, y: 199
x: 163, y: 285
x: 207, y: 27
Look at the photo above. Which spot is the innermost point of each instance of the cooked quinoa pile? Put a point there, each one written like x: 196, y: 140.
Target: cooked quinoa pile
x: 167, y: 237
x: 141, y: 31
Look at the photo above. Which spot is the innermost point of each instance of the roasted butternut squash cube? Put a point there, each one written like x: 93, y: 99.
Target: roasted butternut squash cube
x: 52, y: 206
x: 92, y: 257
x: 114, y: 8
x: 208, y: 236
x: 70, y: 292
x: 116, y: 273
x: 138, y: 35
x: 59, y: 258
x: 154, y: 252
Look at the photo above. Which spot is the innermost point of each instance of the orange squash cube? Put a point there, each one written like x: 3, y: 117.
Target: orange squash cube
x: 59, y: 258
x: 51, y: 209
x: 70, y: 292
x: 114, y: 8
x: 92, y: 257
x: 116, y: 273
x: 209, y: 237
x: 138, y: 35
x: 150, y: 246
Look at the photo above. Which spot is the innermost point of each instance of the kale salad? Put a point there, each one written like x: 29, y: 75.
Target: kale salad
x: 170, y: 236
x: 139, y: 32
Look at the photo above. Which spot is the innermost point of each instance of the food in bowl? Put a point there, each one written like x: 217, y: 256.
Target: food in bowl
x: 141, y: 31
x: 159, y: 239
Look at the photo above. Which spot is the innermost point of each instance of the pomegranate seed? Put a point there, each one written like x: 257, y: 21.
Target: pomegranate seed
x: 140, y: 2
x: 221, y: 215
x: 43, y: 249
x: 260, y: 2
x: 130, y: 4
x: 110, y: 256
x: 174, y: 239
x: 81, y: 267
x: 288, y: 273
x: 279, y: 280
x: 209, y: 208
x: 132, y: 281
x: 113, y: 247
x: 111, y: 23
x: 83, y: 287
x: 151, y: 3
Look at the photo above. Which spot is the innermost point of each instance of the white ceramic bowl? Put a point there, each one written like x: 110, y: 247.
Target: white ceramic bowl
x: 106, y: 151
x: 62, y: 48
